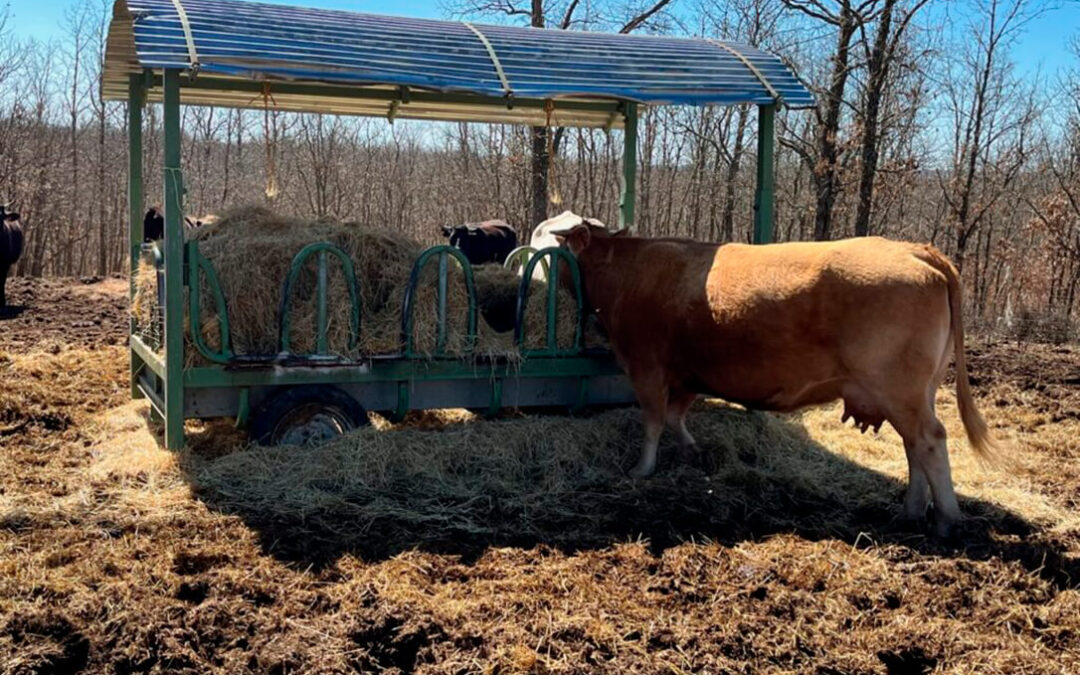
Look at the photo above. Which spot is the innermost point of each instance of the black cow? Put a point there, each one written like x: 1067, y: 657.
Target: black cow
x: 486, y: 242
x: 11, y: 246
x: 153, y: 226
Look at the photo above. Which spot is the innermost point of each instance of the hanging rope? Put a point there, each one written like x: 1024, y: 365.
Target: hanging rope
x: 271, y: 165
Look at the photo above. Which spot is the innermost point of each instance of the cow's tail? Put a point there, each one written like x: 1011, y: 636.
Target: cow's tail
x: 979, y: 435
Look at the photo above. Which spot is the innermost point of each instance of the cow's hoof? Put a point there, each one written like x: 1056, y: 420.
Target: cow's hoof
x: 944, y: 528
x: 693, y: 455
x: 641, y: 470
x: 690, y: 454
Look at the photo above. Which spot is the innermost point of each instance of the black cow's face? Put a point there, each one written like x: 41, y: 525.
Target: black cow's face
x: 7, y: 215
x: 455, y: 234
x: 447, y: 231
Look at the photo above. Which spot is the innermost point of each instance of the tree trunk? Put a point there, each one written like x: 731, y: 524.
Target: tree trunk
x: 728, y: 219
x: 878, y: 71
x: 825, y: 173
x: 541, y: 163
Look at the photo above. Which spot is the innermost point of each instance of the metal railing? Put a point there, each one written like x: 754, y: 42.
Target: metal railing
x: 201, y: 270
x: 551, y: 347
x: 322, y: 249
x: 443, y: 254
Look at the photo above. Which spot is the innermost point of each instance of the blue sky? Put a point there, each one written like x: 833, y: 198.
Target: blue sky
x: 1042, y: 47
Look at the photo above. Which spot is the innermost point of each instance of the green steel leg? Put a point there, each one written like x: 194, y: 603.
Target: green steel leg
x: 763, y: 196
x: 629, y: 182
x: 136, y: 96
x: 174, y: 267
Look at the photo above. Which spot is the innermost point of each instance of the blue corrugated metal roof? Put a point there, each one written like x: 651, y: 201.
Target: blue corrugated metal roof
x: 273, y: 42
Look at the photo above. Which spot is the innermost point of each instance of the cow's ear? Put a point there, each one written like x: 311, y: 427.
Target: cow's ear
x: 578, y: 239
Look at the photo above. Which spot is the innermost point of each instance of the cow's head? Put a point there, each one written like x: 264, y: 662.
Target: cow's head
x: 578, y: 238
x: 7, y: 214
x: 447, y: 231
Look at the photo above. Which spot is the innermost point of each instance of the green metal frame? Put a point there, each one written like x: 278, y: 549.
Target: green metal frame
x: 763, y: 194
x: 136, y: 99
x: 174, y: 265
x: 390, y: 95
x: 399, y: 370
x: 169, y: 368
x: 629, y: 177
x: 444, y: 254
x: 321, y: 248
x: 521, y: 256
x: 199, y: 268
x: 551, y: 342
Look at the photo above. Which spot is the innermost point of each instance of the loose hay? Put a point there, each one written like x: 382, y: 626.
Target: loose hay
x: 552, y: 479
x: 252, y: 250
x: 115, y: 557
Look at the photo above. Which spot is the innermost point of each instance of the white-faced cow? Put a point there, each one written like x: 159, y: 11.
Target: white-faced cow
x: 779, y: 327
x: 487, y: 242
x: 11, y: 247
x: 545, y: 235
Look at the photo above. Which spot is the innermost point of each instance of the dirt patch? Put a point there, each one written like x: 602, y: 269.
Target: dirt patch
x: 117, y: 556
x: 1043, y: 379
x: 45, y: 643
x: 64, y: 313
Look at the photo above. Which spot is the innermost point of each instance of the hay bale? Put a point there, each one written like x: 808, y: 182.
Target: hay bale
x: 382, y: 261
x: 144, y: 306
x: 497, y: 295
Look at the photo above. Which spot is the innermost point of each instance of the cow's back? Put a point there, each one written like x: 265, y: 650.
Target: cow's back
x: 757, y: 323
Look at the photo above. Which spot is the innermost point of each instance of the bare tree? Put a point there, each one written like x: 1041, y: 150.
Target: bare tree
x: 562, y: 15
x: 880, y: 58
x: 991, y: 115
x: 845, y: 17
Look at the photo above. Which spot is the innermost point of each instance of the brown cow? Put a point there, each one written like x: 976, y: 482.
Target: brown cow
x: 783, y: 326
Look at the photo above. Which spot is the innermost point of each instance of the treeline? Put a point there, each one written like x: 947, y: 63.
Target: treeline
x: 925, y: 130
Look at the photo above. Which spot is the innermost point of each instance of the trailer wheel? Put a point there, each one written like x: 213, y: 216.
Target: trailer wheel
x: 306, y: 415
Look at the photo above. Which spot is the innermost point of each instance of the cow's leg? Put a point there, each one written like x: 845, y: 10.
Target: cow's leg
x: 917, y: 498
x: 652, y: 396
x: 3, y: 286
x: 679, y: 403
x: 924, y: 440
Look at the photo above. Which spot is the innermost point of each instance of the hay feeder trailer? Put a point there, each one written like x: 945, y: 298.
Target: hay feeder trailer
x: 271, y: 57
x: 291, y: 397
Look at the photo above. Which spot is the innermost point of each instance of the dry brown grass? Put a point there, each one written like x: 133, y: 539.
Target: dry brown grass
x: 453, y: 544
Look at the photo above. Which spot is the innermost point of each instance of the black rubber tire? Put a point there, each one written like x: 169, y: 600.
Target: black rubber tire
x: 279, y: 419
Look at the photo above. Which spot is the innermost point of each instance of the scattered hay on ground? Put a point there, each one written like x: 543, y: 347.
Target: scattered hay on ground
x: 39, y: 394
x: 116, y: 558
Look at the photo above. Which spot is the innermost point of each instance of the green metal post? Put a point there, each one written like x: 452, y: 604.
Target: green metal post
x: 763, y: 196
x: 136, y: 97
x: 174, y: 266
x: 629, y: 182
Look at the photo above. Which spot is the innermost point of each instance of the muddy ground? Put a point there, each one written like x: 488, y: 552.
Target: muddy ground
x: 63, y: 313
x: 119, y: 557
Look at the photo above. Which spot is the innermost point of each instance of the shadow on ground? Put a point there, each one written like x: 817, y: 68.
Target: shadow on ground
x: 11, y: 312
x: 309, y: 506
